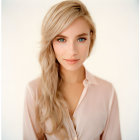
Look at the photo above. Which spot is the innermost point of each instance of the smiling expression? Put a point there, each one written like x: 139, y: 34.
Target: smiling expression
x: 71, y: 46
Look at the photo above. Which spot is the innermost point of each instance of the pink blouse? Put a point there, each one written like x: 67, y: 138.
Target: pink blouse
x: 96, y: 116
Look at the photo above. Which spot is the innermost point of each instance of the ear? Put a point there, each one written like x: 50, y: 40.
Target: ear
x: 91, y: 32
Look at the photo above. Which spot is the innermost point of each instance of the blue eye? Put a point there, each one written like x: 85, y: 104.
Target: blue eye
x: 81, y: 39
x: 61, y: 39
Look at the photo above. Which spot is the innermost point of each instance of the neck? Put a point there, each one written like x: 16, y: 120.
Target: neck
x: 73, y: 77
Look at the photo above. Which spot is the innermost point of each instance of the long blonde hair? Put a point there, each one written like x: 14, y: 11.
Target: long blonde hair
x: 50, y: 104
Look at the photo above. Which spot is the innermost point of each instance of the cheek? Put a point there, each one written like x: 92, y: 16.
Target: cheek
x: 58, y: 51
x: 84, y: 51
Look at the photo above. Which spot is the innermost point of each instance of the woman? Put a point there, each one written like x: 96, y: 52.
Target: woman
x: 67, y: 102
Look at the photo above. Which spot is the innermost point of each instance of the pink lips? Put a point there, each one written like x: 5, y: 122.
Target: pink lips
x: 72, y: 61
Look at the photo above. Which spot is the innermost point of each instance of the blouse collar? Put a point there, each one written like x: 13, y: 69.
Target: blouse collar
x: 90, y: 78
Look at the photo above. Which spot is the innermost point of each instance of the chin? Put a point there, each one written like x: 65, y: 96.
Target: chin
x: 71, y: 67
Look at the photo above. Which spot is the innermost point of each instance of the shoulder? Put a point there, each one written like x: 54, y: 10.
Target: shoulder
x: 34, y: 83
x: 103, y: 82
x: 102, y: 89
x: 32, y: 87
x: 98, y: 81
x: 101, y: 86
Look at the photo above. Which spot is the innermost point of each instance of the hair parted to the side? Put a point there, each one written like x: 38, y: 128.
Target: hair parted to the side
x: 50, y: 104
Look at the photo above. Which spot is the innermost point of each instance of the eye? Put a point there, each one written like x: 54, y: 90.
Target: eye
x: 60, y: 39
x: 81, y: 39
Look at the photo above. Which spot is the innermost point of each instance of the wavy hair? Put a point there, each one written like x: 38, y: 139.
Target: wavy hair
x: 50, y: 104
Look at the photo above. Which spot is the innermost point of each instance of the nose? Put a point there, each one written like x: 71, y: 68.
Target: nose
x: 73, y: 48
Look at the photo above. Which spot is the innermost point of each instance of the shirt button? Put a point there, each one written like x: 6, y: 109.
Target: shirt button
x: 75, y: 138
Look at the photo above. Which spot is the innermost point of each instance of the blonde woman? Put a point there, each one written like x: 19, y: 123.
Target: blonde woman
x: 67, y: 102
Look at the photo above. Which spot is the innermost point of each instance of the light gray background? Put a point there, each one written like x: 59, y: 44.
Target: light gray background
x: 114, y: 57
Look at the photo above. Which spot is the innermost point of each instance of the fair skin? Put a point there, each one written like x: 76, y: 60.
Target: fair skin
x: 72, y: 43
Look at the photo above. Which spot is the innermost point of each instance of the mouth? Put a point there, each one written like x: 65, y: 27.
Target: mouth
x: 71, y: 61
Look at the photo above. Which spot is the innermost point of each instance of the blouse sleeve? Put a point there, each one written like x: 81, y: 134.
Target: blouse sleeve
x: 30, y: 129
x: 112, y: 128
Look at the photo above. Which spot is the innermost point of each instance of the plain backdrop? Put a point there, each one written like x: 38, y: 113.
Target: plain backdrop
x: 114, y: 57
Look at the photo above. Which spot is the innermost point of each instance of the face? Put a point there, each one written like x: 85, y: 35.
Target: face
x: 71, y: 46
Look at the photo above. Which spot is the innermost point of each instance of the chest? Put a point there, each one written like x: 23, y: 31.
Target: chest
x: 72, y: 94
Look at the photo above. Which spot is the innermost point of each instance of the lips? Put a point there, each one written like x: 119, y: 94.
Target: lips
x: 72, y: 61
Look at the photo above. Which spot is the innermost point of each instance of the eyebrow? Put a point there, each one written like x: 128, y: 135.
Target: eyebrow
x: 83, y: 34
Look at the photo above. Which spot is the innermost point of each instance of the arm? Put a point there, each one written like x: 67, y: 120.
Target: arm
x: 30, y: 129
x: 112, y: 128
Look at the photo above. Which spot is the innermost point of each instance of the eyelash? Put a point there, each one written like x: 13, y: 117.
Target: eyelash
x: 78, y: 39
x: 60, y: 39
x: 82, y: 38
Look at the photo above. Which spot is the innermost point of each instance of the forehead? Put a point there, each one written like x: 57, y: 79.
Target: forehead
x: 78, y: 26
